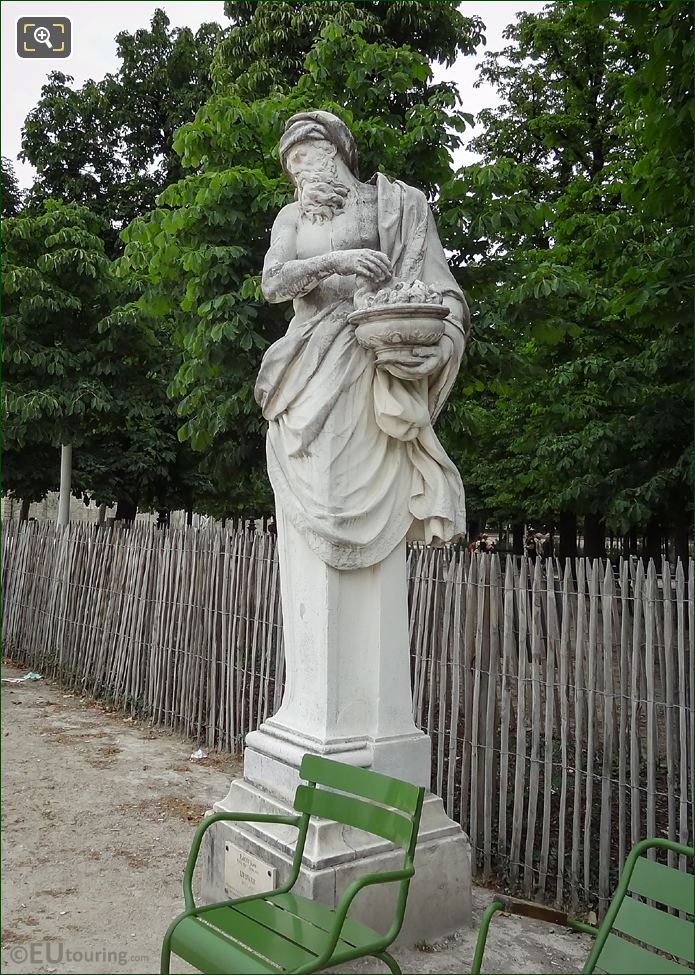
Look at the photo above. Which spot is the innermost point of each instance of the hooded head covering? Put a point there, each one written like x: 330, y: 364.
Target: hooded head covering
x: 319, y: 125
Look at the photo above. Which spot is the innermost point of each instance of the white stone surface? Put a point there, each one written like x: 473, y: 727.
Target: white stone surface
x: 347, y: 688
x: 352, y: 455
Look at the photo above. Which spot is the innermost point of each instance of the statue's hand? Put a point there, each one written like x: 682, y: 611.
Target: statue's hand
x: 418, y: 362
x: 365, y: 262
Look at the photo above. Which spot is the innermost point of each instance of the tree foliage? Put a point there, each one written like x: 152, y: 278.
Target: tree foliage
x: 578, y: 224
x: 56, y: 285
x: 135, y: 457
x: 79, y: 372
x: 571, y: 238
x: 109, y: 144
x: 265, y: 49
x: 11, y: 193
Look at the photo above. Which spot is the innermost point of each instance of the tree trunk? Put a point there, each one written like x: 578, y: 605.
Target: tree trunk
x: 473, y: 529
x: 101, y: 514
x: 518, y: 538
x: 24, y: 510
x: 594, y: 537
x: 682, y: 538
x: 568, y: 535
x: 189, y: 516
x: 65, y: 485
x: 126, y: 510
x: 653, y: 541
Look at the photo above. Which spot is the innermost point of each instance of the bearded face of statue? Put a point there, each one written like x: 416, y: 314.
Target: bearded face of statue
x: 312, y: 167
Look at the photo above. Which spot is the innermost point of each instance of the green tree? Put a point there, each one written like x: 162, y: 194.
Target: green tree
x: 109, y: 144
x: 11, y: 193
x: 134, y: 457
x: 264, y: 51
x: 79, y: 373
x: 584, y: 268
x: 56, y: 283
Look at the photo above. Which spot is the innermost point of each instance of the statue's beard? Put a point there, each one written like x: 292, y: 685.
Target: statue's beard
x: 320, y: 193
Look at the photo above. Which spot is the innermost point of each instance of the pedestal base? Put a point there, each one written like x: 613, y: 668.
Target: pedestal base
x: 335, y: 855
x: 273, y: 755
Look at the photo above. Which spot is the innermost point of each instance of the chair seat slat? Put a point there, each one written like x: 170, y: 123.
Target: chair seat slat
x: 212, y: 952
x: 621, y: 957
x: 321, y: 916
x: 250, y: 933
x: 290, y: 926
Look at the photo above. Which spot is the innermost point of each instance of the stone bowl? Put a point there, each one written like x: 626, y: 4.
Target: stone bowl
x: 383, y: 327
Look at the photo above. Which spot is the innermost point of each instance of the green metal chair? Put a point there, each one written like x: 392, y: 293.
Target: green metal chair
x: 281, y: 931
x: 635, y: 937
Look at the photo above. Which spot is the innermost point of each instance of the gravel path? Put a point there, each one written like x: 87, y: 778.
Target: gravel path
x: 98, y: 815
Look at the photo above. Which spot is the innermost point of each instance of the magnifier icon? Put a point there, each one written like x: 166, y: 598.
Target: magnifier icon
x: 42, y: 35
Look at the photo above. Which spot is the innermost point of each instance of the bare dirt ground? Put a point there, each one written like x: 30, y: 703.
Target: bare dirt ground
x: 98, y: 813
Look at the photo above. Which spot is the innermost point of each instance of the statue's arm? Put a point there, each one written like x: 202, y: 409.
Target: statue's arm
x: 284, y: 276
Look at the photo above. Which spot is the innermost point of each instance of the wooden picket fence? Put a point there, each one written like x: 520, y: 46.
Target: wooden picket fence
x: 558, y: 698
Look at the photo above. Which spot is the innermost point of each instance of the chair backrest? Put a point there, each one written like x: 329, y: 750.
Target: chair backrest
x: 641, y: 937
x: 392, y: 808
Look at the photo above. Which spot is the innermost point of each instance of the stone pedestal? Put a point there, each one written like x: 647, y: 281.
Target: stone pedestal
x: 347, y: 691
x: 347, y: 697
x: 335, y: 855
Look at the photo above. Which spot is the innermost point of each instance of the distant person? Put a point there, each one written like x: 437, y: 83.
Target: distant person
x: 547, y: 546
x: 479, y: 544
x: 251, y: 526
x: 539, y: 545
x: 531, y: 546
x: 272, y: 526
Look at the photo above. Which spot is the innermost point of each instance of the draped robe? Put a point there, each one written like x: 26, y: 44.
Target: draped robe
x: 353, y: 459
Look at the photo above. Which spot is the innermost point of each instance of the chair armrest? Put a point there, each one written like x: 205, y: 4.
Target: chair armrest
x: 511, y: 905
x: 226, y: 817
x: 348, y: 895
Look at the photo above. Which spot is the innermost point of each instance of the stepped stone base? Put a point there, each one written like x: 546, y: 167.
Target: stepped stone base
x: 439, y: 901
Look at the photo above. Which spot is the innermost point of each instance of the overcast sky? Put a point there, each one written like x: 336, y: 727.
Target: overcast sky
x: 95, y: 24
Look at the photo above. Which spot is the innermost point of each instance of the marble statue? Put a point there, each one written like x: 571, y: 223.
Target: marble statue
x: 352, y: 457
x: 350, y: 394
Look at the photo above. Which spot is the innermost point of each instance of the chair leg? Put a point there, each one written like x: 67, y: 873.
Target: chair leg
x: 482, y: 935
x: 390, y: 961
x: 166, y: 955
